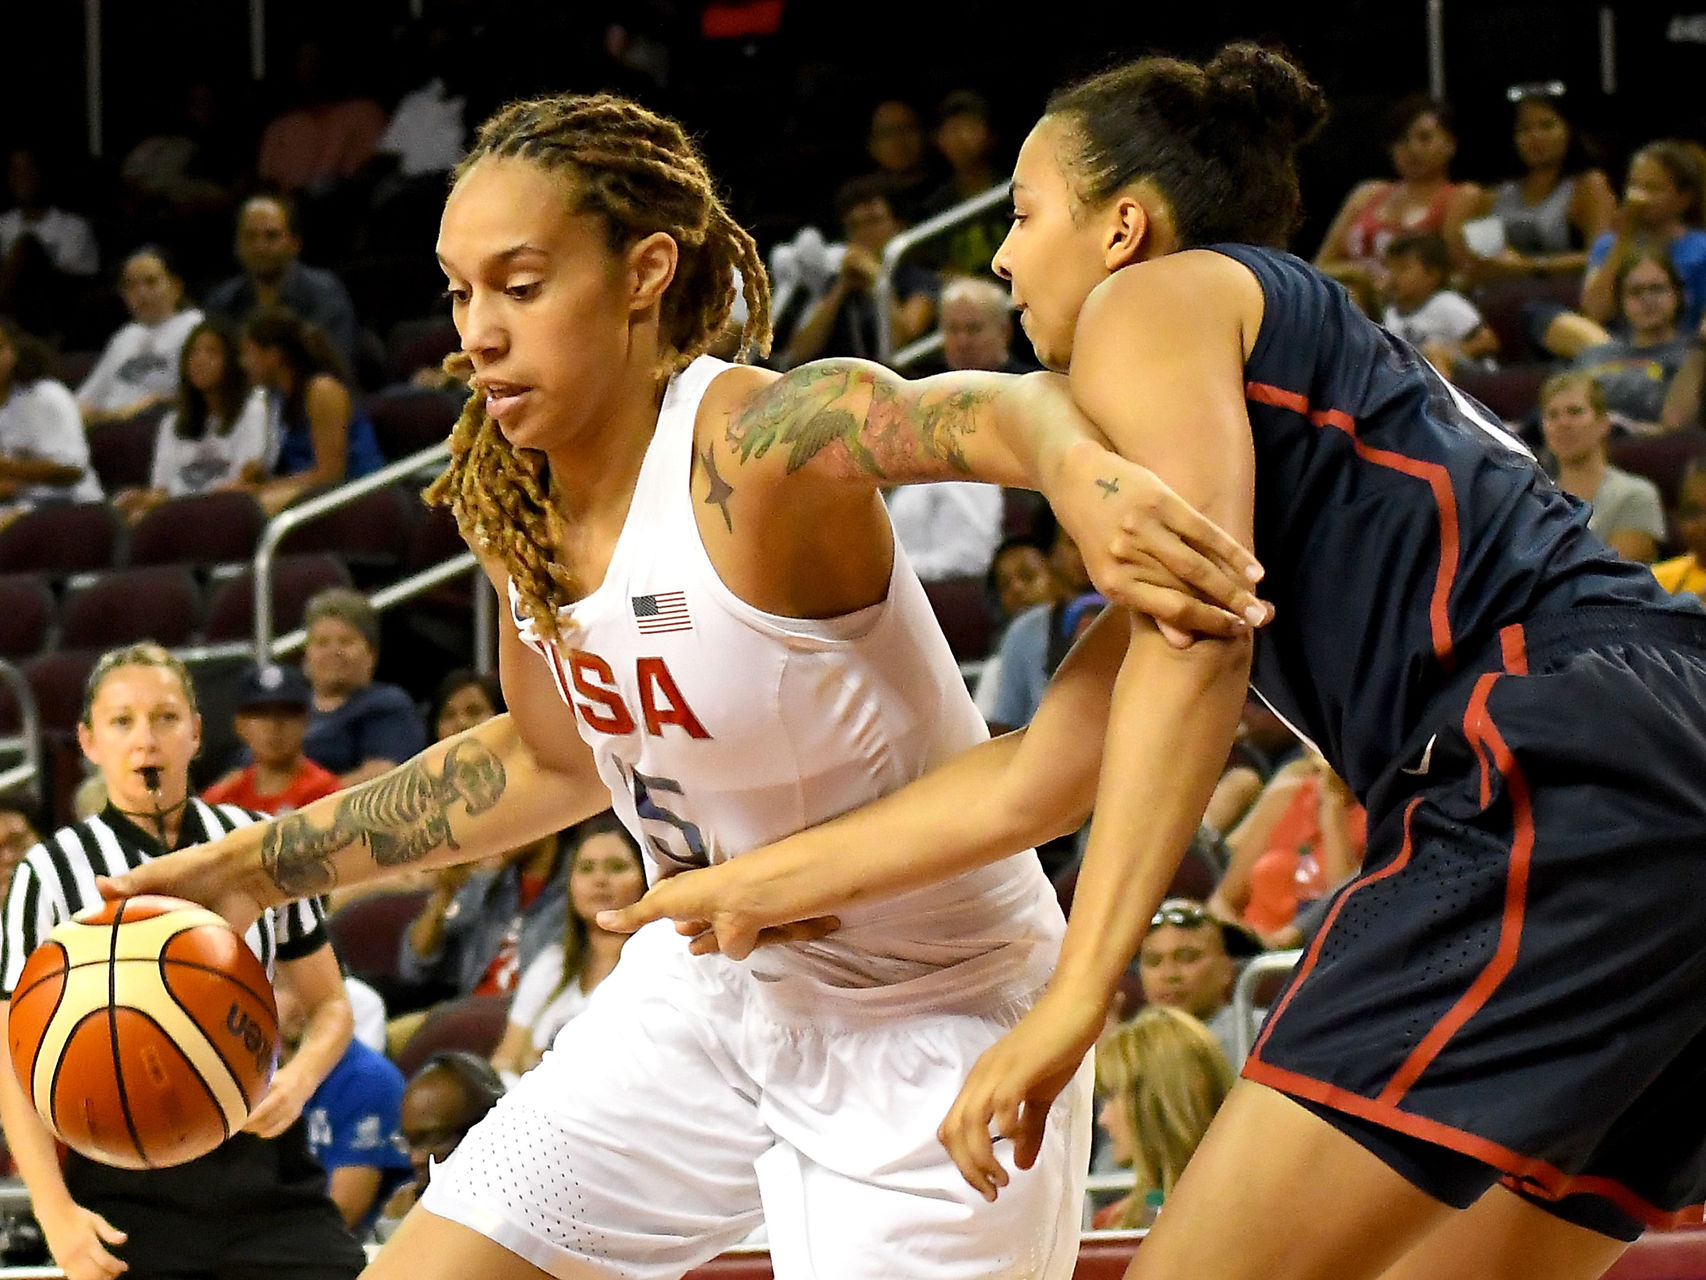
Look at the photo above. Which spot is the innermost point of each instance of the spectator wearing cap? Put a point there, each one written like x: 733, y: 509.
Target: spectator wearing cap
x: 271, y: 719
x: 1188, y: 962
x: 358, y: 728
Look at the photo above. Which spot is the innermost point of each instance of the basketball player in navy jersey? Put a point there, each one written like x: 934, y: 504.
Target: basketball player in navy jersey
x: 1489, y: 1063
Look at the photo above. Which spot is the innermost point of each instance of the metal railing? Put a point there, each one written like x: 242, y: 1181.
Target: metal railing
x: 1256, y: 971
x: 27, y: 741
x: 265, y: 646
x: 903, y: 244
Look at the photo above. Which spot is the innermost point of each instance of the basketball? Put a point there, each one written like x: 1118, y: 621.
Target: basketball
x: 143, y: 1031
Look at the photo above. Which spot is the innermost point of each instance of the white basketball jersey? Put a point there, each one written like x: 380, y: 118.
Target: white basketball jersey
x: 720, y: 728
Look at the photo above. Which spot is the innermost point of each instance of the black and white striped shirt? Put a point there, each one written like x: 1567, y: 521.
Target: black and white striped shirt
x: 56, y: 880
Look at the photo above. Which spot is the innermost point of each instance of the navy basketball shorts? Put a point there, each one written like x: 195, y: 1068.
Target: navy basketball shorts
x: 1514, y: 987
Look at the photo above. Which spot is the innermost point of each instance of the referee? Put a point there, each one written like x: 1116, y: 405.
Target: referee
x: 257, y: 1205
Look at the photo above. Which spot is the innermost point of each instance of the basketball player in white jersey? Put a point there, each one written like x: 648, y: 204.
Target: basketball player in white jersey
x: 709, y: 626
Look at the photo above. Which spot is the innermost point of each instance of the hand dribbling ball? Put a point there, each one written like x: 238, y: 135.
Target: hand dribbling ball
x: 144, y: 1031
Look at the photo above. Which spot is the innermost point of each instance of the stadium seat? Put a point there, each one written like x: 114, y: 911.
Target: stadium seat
x: 57, y: 680
x: 58, y: 539
x: 122, y: 452
x: 1022, y: 513
x: 409, y: 419
x: 72, y: 367
x: 414, y: 345
x: 370, y: 533
x: 1661, y: 459
x: 367, y: 933
x: 231, y: 612
x: 1502, y: 304
x: 961, y: 606
x: 474, y: 1023
x: 203, y: 529
x: 159, y: 602
x: 1511, y: 391
x: 26, y: 615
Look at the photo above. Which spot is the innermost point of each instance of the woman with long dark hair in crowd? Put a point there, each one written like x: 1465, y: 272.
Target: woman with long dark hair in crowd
x: 1421, y: 141
x: 1560, y: 204
x: 215, y: 436
x: 319, y: 437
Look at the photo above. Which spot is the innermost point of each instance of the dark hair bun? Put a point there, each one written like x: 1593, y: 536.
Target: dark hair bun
x: 1268, y: 90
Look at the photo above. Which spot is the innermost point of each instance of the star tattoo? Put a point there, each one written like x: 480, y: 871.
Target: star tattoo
x: 721, y: 490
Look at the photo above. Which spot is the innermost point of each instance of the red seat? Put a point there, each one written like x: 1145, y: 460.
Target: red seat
x: 372, y: 531
x: 1502, y: 303
x: 122, y: 452
x: 474, y: 1023
x: 57, y: 681
x: 26, y: 614
x: 160, y: 603
x: 295, y: 580
x: 419, y: 344
x: 1511, y: 391
x: 1661, y: 459
x: 78, y: 538
x: 961, y: 606
x: 203, y: 529
x: 410, y: 419
x: 367, y: 933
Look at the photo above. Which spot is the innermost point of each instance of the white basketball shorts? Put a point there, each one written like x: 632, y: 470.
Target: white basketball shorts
x: 690, y: 1102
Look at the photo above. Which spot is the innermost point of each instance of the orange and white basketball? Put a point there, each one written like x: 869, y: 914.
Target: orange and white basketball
x: 144, y: 1031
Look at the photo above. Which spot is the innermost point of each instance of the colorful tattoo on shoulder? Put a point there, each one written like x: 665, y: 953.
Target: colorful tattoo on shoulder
x: 885, y: 427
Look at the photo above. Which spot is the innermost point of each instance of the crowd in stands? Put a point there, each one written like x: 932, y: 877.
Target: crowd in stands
x: 1568, y: 296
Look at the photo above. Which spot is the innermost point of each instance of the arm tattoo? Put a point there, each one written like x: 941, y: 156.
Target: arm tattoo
x: 884, y: 426
x: 401, y: 817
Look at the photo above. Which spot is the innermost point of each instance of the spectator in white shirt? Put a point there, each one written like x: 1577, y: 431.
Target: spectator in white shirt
x: 215, y: 436
x: 44, y: 455
x: 1439, y: 322
x: 605, y: 874
x: 47, y: 255
x: 139, y: 368
x: 67, y: 237
x: 951, y: 530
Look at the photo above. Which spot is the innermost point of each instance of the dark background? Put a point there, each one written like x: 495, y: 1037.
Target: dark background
x: 782, y: 117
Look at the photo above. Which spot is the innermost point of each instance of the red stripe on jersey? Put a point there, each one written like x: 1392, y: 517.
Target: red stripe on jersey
x: 1437, y: 478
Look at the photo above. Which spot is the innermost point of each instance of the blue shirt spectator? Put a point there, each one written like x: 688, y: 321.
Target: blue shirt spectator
x: 1688, y: 253
x: 376, y: 722
x: 355, y: 1123
x: 267, y: 248
x: 356, y: 728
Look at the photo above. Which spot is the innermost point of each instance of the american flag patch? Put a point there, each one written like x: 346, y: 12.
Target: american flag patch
x: 666, y: 611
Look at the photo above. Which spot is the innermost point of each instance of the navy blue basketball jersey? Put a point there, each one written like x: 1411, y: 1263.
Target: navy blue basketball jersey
x: 1401, y: 525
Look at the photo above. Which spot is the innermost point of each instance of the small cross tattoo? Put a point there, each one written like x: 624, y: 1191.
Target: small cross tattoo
x: 721, y: 490
x: 1108, y: 487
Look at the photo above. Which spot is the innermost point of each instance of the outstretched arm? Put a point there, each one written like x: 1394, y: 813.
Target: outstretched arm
x: 1159, y: 363
x: 853, y: 426
x: 487, y: 790
x: 988, y: 803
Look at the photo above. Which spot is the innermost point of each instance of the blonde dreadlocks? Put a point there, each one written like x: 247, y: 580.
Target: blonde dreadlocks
x: 641, y: 174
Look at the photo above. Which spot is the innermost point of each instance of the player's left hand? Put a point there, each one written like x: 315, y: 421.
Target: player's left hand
x: 1150, y: 551
x: 284, y: 1100
x: 721, y: 909
x: 1012, y: 1087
